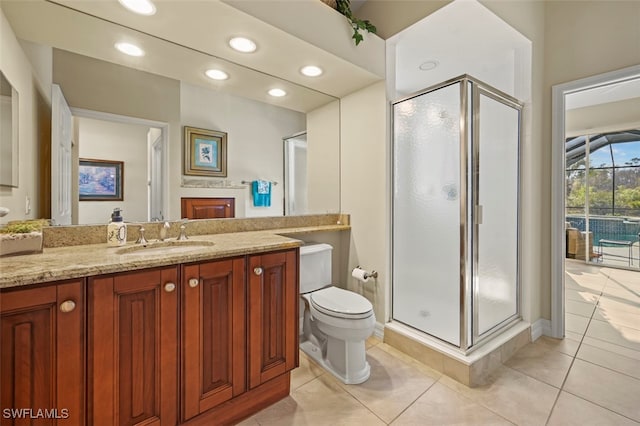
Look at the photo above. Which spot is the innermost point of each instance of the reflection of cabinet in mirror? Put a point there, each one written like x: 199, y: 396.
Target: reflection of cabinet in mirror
x: 207, y: 208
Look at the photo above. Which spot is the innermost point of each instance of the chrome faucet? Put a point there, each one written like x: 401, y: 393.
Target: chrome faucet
x: 141, y: 239
x: 164, y: 230
x: 183, y: 231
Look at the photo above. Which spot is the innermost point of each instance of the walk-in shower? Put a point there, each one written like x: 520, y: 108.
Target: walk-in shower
x: 456, y: 211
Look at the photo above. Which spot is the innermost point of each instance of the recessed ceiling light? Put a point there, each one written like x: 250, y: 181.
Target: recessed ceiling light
x: 429, y: 65
x: 278, y: 93
x: 129, y: 49
x: 217, y: 74
x: 242, y: 44
x: 141, y: 7
x: 311, y: 71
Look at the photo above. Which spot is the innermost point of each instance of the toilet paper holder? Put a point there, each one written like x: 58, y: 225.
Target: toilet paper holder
x: 367, y: 274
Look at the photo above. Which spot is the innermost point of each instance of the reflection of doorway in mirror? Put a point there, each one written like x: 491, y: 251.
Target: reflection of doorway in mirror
x: 141, y: 145
x: 295, y: 174
x: 8, y: 133
x: 156, y: 154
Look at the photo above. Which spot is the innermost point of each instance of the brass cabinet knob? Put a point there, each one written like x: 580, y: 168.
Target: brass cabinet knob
x: 257, y: 270
x: 193, y: 282
x: 67, y: 306
x: 169, y: 287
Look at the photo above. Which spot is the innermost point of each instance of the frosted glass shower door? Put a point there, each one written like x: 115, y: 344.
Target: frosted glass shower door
x: 497, y: 129
x: 426, y: 213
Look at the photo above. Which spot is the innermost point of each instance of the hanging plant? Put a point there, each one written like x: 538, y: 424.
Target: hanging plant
x: 344, y: 7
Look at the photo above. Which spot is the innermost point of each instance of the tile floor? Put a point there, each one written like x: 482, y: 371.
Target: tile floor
x: 590, y: 378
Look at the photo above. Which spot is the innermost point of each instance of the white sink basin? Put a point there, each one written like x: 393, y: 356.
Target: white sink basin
x: 164, y: 248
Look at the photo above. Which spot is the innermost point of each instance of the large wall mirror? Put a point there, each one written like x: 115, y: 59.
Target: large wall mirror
x: 8, y: 133
x: 168, y: 87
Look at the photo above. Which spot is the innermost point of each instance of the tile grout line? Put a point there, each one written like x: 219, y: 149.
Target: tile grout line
x: 480, y: 403
x: 573, y: 358
x: 601, y: 406
x: 413, y: 402
x: 362, y: 402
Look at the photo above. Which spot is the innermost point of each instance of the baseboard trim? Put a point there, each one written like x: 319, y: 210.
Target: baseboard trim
x: 378, y: 331
x: 542, y: 327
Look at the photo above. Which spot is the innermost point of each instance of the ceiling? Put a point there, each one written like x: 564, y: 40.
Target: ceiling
x: 621, y: 91
x: 463, y: 37
x: 185, y: 38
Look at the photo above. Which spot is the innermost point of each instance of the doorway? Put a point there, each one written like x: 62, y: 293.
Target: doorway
x: 561, y: 94
x: 147, y: 200
x: 141, y: 144
x: 295, y: 174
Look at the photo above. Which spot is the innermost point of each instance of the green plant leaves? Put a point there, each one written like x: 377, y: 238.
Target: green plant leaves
x: 344, y: 7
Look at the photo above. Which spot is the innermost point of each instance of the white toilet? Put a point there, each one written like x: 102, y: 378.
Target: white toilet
x: 336, y: 322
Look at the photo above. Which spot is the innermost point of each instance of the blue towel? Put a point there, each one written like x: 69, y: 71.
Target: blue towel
x: 261, y: 190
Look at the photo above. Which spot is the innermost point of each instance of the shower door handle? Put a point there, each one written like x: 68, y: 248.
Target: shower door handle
x: 478, y: 215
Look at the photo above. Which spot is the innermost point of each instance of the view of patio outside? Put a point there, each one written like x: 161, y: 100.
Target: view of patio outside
x: 603, y: 198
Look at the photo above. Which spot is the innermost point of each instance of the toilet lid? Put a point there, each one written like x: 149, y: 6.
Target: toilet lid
x: 341, y: 303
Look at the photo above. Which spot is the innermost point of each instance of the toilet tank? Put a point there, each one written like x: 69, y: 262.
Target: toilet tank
x: 315, y: 267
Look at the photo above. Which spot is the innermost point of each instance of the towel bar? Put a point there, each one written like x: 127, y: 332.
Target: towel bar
x: 249, y: 182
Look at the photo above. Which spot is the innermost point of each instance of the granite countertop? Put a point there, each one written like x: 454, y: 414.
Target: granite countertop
x: 77, y: 261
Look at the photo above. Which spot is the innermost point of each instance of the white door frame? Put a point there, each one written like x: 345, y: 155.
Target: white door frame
x: 558, y: 186
x: 164, y: 128
x: 156, y: 167
x: 61, y: 158
x: 290, y: 143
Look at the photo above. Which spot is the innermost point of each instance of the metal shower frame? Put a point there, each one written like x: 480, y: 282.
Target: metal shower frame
x: 470, y: 91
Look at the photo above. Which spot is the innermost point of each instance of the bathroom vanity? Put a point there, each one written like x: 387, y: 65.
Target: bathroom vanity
x: 205, y: 333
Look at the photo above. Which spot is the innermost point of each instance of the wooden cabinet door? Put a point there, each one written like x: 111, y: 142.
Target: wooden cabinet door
x: 213, y: 334
x: 207, y: 208
x: 133, y: 348
x: 42, y: 361
x: 273, y: 315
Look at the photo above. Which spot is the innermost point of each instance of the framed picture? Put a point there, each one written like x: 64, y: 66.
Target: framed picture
x: 205, y: 152
x: 101, y: 180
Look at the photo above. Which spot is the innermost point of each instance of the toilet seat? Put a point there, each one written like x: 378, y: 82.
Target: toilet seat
x: 338, y: 303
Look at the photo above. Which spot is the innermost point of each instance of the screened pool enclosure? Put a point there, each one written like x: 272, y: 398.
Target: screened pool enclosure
x: 603, y: 198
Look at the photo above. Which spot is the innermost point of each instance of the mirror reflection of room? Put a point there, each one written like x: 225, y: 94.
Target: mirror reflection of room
x: 104, y: 86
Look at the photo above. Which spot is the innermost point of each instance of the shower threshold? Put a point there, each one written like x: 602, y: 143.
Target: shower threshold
x: 472, y: 369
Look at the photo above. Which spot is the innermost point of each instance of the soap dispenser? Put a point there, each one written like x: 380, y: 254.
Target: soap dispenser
x: 117, y: 229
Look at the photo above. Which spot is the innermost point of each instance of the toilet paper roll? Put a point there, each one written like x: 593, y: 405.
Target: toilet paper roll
x: 360, y: 275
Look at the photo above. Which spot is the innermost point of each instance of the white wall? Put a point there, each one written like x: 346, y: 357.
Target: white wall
x: 254, y: 144
x: 365, y: 193
x: 528, y: 18
x: 105, y: 140
x: 574, y: 50
x: 25, y: 78
x: 323, y: 153
x: 481, y: 45
x: 608, y: 117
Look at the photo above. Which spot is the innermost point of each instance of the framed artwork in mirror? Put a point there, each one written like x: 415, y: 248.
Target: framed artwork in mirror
x: 101, y: 180
x: 205, y: 152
